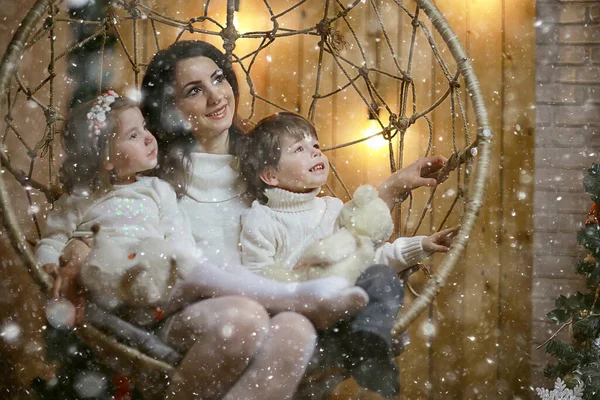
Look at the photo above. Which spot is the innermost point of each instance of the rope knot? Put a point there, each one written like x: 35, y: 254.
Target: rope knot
x: 415, y: 21
x: 107, y: 24
x: 132, y: 8
x: 51, y: 115
x: 271, y: 35
x: 331, y: 35
x: 49, y: 23
x: 229, y: 35
x: 402, y: 124
x: 364, y: 72
x: 324, y: 28
x: 388, y: 133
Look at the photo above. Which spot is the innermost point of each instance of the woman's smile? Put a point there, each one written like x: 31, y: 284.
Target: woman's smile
x: 219, y: 113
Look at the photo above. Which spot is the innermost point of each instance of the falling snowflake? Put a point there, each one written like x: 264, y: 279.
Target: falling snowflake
x: 596, y: 345
x: 561, y: 392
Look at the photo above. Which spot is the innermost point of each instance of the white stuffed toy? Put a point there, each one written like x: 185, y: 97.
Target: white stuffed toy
x: 364, y: 223
x: 137, y: 273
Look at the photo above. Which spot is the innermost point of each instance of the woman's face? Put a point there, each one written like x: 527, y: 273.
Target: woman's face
x: 205, y: 98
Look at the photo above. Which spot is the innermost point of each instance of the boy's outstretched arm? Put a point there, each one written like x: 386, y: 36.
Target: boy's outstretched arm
x: 423, y: 172
x: 440, y: 241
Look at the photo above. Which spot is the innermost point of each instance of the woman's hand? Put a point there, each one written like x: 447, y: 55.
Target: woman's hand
x: 422, y: 172
x: 66, y: 277
x: 439, y: 242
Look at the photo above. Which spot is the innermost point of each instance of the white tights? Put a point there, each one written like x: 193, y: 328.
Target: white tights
x: 235, y: 351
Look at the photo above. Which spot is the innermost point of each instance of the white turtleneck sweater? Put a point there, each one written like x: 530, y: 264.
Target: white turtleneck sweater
x: 214, y: 203
x: 278, y: 232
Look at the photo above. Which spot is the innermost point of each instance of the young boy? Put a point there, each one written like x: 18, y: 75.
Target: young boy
x: 285, y: 170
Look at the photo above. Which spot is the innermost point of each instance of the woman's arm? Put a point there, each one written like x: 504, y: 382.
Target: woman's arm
x: 324, y: 301
x: 423, y: 172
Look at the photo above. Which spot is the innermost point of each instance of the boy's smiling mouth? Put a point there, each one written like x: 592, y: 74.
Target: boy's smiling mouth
x: 318, y: 167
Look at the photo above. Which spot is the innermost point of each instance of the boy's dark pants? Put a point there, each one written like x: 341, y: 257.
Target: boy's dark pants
x: 374, y: 323
x: 363, y: 345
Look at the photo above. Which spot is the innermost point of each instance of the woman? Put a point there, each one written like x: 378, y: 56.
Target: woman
x: 190, y: 96
x: 189, y: 99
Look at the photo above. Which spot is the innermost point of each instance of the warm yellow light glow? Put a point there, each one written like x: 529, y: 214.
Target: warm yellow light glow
x: 375, y: 143
x: 250, y: 22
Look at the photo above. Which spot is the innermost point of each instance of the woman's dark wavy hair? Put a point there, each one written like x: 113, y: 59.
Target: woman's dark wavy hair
x: 85, y: 151
x: 175, y: 141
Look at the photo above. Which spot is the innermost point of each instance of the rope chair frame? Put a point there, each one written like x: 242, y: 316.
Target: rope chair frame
x: 26, y: 35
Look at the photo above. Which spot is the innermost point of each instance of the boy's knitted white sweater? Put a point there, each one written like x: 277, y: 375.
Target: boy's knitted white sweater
x: 278, y: 232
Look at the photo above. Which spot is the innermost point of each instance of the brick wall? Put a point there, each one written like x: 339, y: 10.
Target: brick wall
x: 567, y: 142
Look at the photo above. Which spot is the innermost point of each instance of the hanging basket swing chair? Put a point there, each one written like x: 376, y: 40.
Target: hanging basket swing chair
x: 134, y: 351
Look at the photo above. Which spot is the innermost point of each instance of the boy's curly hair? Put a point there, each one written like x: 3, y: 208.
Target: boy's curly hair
x: 263, y: 147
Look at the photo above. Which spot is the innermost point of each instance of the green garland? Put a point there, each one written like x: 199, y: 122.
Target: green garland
x: 579, y: 361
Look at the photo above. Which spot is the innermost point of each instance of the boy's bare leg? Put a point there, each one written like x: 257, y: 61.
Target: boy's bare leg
x: 281, y: 362
x: 221, y: 336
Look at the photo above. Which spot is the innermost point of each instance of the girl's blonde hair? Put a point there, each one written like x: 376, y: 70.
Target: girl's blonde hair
x: 86, y: 151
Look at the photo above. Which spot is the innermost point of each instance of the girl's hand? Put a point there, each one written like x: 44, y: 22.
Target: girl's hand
x: 422, y: 172
x: 439, y: 242
x: 66, y: 277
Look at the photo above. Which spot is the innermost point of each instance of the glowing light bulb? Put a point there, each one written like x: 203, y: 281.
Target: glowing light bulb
x: 372, y: 127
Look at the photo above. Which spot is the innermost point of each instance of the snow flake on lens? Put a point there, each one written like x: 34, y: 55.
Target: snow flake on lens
x: 90, y: 384
x: 561, y: 392
x: 428, y: 329
x: 60, y: 313
x: 10, y: 332
x: 134, y: 94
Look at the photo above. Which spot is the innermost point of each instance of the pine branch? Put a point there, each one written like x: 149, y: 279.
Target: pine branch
x: 589, y: 237
x: 591, y: 182
x: 588, y: 327
x: 566, y: 353
x: 591, y: 270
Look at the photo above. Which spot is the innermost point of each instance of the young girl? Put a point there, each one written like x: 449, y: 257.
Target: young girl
x: 285, y: 169
x: 107, y: 147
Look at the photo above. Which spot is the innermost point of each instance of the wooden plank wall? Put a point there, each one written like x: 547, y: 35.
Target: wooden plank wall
x: 474, y: 341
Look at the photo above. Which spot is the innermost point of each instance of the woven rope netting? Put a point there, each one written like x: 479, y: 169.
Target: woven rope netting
x: 363, y: 55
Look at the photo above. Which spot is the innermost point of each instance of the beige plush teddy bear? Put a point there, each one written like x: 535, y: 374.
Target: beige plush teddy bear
x: 120, y: 271
x: 363, y: 223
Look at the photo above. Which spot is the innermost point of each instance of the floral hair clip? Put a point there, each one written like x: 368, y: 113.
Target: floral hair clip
x: 97, y: 115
